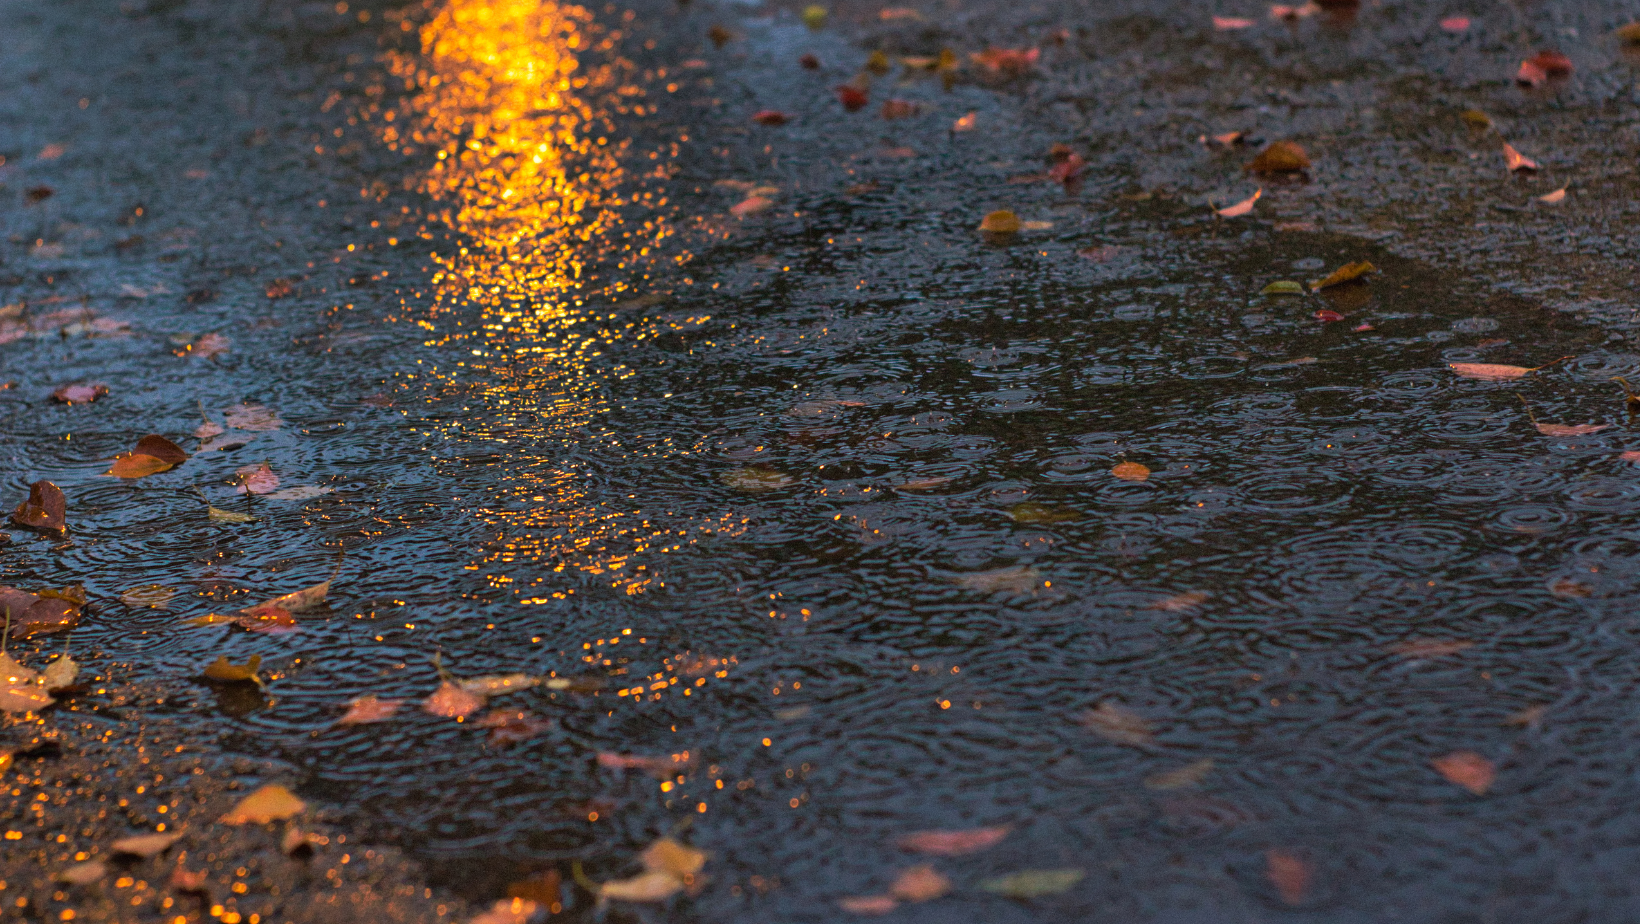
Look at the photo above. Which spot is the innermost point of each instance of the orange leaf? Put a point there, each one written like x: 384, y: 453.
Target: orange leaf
x: 1555, y: 197
x: 751, y: 205
x: 1346, y: 273
x: 1131, y: 471
x: 1516, y: 161
x: 1001, y: 221
x: 1182, y: 601
x: 920, y: 884
x: 1289, y: 873
x: 1244, y: 207
x: 868, y: 904
x: 270, y: 803
x: 1007, y: 60
x: 1227, y: 23
x: 1467, y: 769
x: 1280, y: 157
x: 966, y: 123
x: 952, y: 843
x: 1491, y: 372
x: 452, y: 702
x: 367, y: 709
x: 1552, y: 63
x: 137, y: 465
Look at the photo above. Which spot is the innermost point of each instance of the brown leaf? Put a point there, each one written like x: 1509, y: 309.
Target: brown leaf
x: 1569, y: 429
x: 919, y: 884
x: 1188, y: 775
x: 226, y: 671
x: 84, y: 873
x: 1289, y: 873
x: 1467, y: 769
x: 1131, y: 471
x: 770, y: 117
x: 1492, y: 372
x: 46, y: 508
x: 1430, y: 647
x: 79, y: 394
x: 899, y: 109
x: 452, y: 702
x: 23, y: 697
x: 1001, y: 221
x: 952, y: 843
x: 1346, y: 273
x: 365, y: 710
x: 1178, y: 602
x: 1118, y: 724
x: 145, y: 845
x: 1629, y: 34
x: 270, y: 803
x: 1280, y: 157
x: 1554, y: 198
x: 1552, y: 63
x: 38, y: 614
x: 153, y: 454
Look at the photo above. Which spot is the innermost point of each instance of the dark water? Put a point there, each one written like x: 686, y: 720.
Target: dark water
x: 1346, y: 561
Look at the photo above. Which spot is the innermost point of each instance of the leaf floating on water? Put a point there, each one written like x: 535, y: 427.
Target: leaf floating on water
x: 669, y: 856
x: 60, y: 674
x: 757, y: 479
x: 299, y: 492
x: 510, y: 911
x: 644, y: 887
x: 1231, y: 23
x: 1032, y: 512
x: 1554, y: 198
x: 1467, y: 769
x: 42, y: 613
x: 1289, y: 873
x: 657, y: 767
x: 1327, y: 315
x: 450, y: 701
x: 84, y: 873
x: 228, y: 516
x: 1455, y: 24
x: 1188, y: 775
x: 153, y: 596
x: 145, y: 845
x: 1033, y: 883
x: 13, y: 673
x: 1346, y: 273
x: 1001, y: 221
x: 1490, y: 372
x: 1179, y: 602
x: 1117, y: 724
x: 751, y: 205
x: 922, y: 484
x: 920, y: 884
x: 852, y: 97
x: 1013, y: 61
x: 965, y: 123
x: 256, y: 479
x: 1569, y: 429
x: 953, y: 843
x: 770, y: 117
x: 209, y: 346
x: 23, y: 697
x: 228, y: 672
x: 1244, y: 207
x: 1278, y: 158
x: 46, y: 509
x: 1530, y: 717
x: 251, y: 417
x: 1518, y: 162
x: 152, y: 455
x: 508, y: 728
x: 814, y: 16
x: 1430, y: 648
x: 499, y: 684
x: 270, y: 803
x: 1474, y: 118
x: 1283, y: 287
x: 80, y: 393
x: 369, y: 709
x: 1015, y: 580
x: 1629, y: 34
x: 1131, y: 471
x: 868, y: 904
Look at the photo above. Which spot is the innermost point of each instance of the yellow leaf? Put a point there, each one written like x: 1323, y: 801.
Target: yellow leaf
x: 1001, y: 221
x: 1345, y: 273
x: 645, y: 887
x: 224, y: 670
x: 669, y: 856
x: 270, y: 803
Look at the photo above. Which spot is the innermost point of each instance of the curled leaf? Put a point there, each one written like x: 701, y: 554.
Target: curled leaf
x: 1349, y: 272
x: 1280, y: 157
x: 46, y: 509
x: 153, y: 454
x: 1244, y: 207
x: 1518, y: 162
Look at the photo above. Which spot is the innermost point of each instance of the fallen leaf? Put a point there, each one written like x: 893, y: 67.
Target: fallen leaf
x: 509, y: 911
x: 896, y: 13
x: 46, y: 508
x: 1327, y: 314
x: 84, y: 873
x: 965, y: 123
x: 228, y: 516
x: 13, y: 673
x: 210, y: 346
x: 757, y: 479
x: 184, y: 880
x: 1530, y: 717
x: 16, y: 698
x: 452, y: 702
x: 899, y: 109
x: 1001, y: 221
x: 1293, y: 13
x: 38, y: 614
x: 499, y: 684
x: 770, y: 117
x: 658, y: 767
x: 922, y: 484
x: 59, y: 674
x: 145, y: 845
x: 868, y: 904
x: 154, y: 596
x: 1011, y: 61
x: 273, y: 620
x: 1429, y: 648
x: 1630, y: 456
x: 1280, y: 157
x: 853, y: 98
x: 1131, y: 471
x: 1550, y: 63
x: 1554, y: 198
x: 1188, y: 775
x: 79, y: 394
x: 1015, y: 580
x: 1244, y: 207
x: 1033, y: 883
x: 1179, y: 602
x: 297, y: 842
x: 228, y: 672
x: 1283, y: 287
x: 919, y: 884
x: 1228, y: 23
x: 751, y: 205
x: 1289, y: 873
x: 644, y: 887
x: 1491, y: 372
x: 1349, y: 272
x: 251, y: 417
x: 1569, y: 429
x: 1103, y: 253
x: 877, y: 63
x: 952, y: 843
x: 1068, y: 170
x: 670, y: 857
x: 1467, y: 769
x: 814, y: 16
x: 720, y: 36
x: 269, y: 803
x: 512, y: 727
x: 1475, y: 118
x: 368, y: 709
x: 1117, y: 724
x: 256, y: 479
x: 1518, y: 162
x: 299, y: 492
x: 1031, y: 512
x: 1629, y: 34
x: 153, y: 454
x: 1455, y: 24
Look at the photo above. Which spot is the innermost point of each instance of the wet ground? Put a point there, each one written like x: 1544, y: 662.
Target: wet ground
x: 828, y: 518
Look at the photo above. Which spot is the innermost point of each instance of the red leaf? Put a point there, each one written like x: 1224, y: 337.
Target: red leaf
x: 853, y: 99
x: 1552, y: 63
x: 952, y: 843
x: 1531, y: 75
x: 1327, y: 314
x: 1455, y: 24
x: 1068, y: 169
x: 1289, y: 873
x: 1467, y: 769
x: 770, y: 117
x: 1007, y: 60
x: 1227, y: 23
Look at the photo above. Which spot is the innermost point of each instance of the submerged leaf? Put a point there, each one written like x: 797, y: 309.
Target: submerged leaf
x: 1031, y: 512
x: 153, y: 596
x: 868, y: 904
x: 1015, y: 580
x: 952, y: 843
x: 669, y: 856
x: 228, y: 516
x: 1467, y: 769
x: 1569, y: 429
x: 644, y: 887
x: 365, y: 710
x: 1188, y: 775
x: 1229, y: 23
x: 452, y: 702
x: 1289, y: 873
x: 251, y: 417
x: 757, y: 479
x: 1117, y: 724
x: 499, y: 684
x: 1033, y: 883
